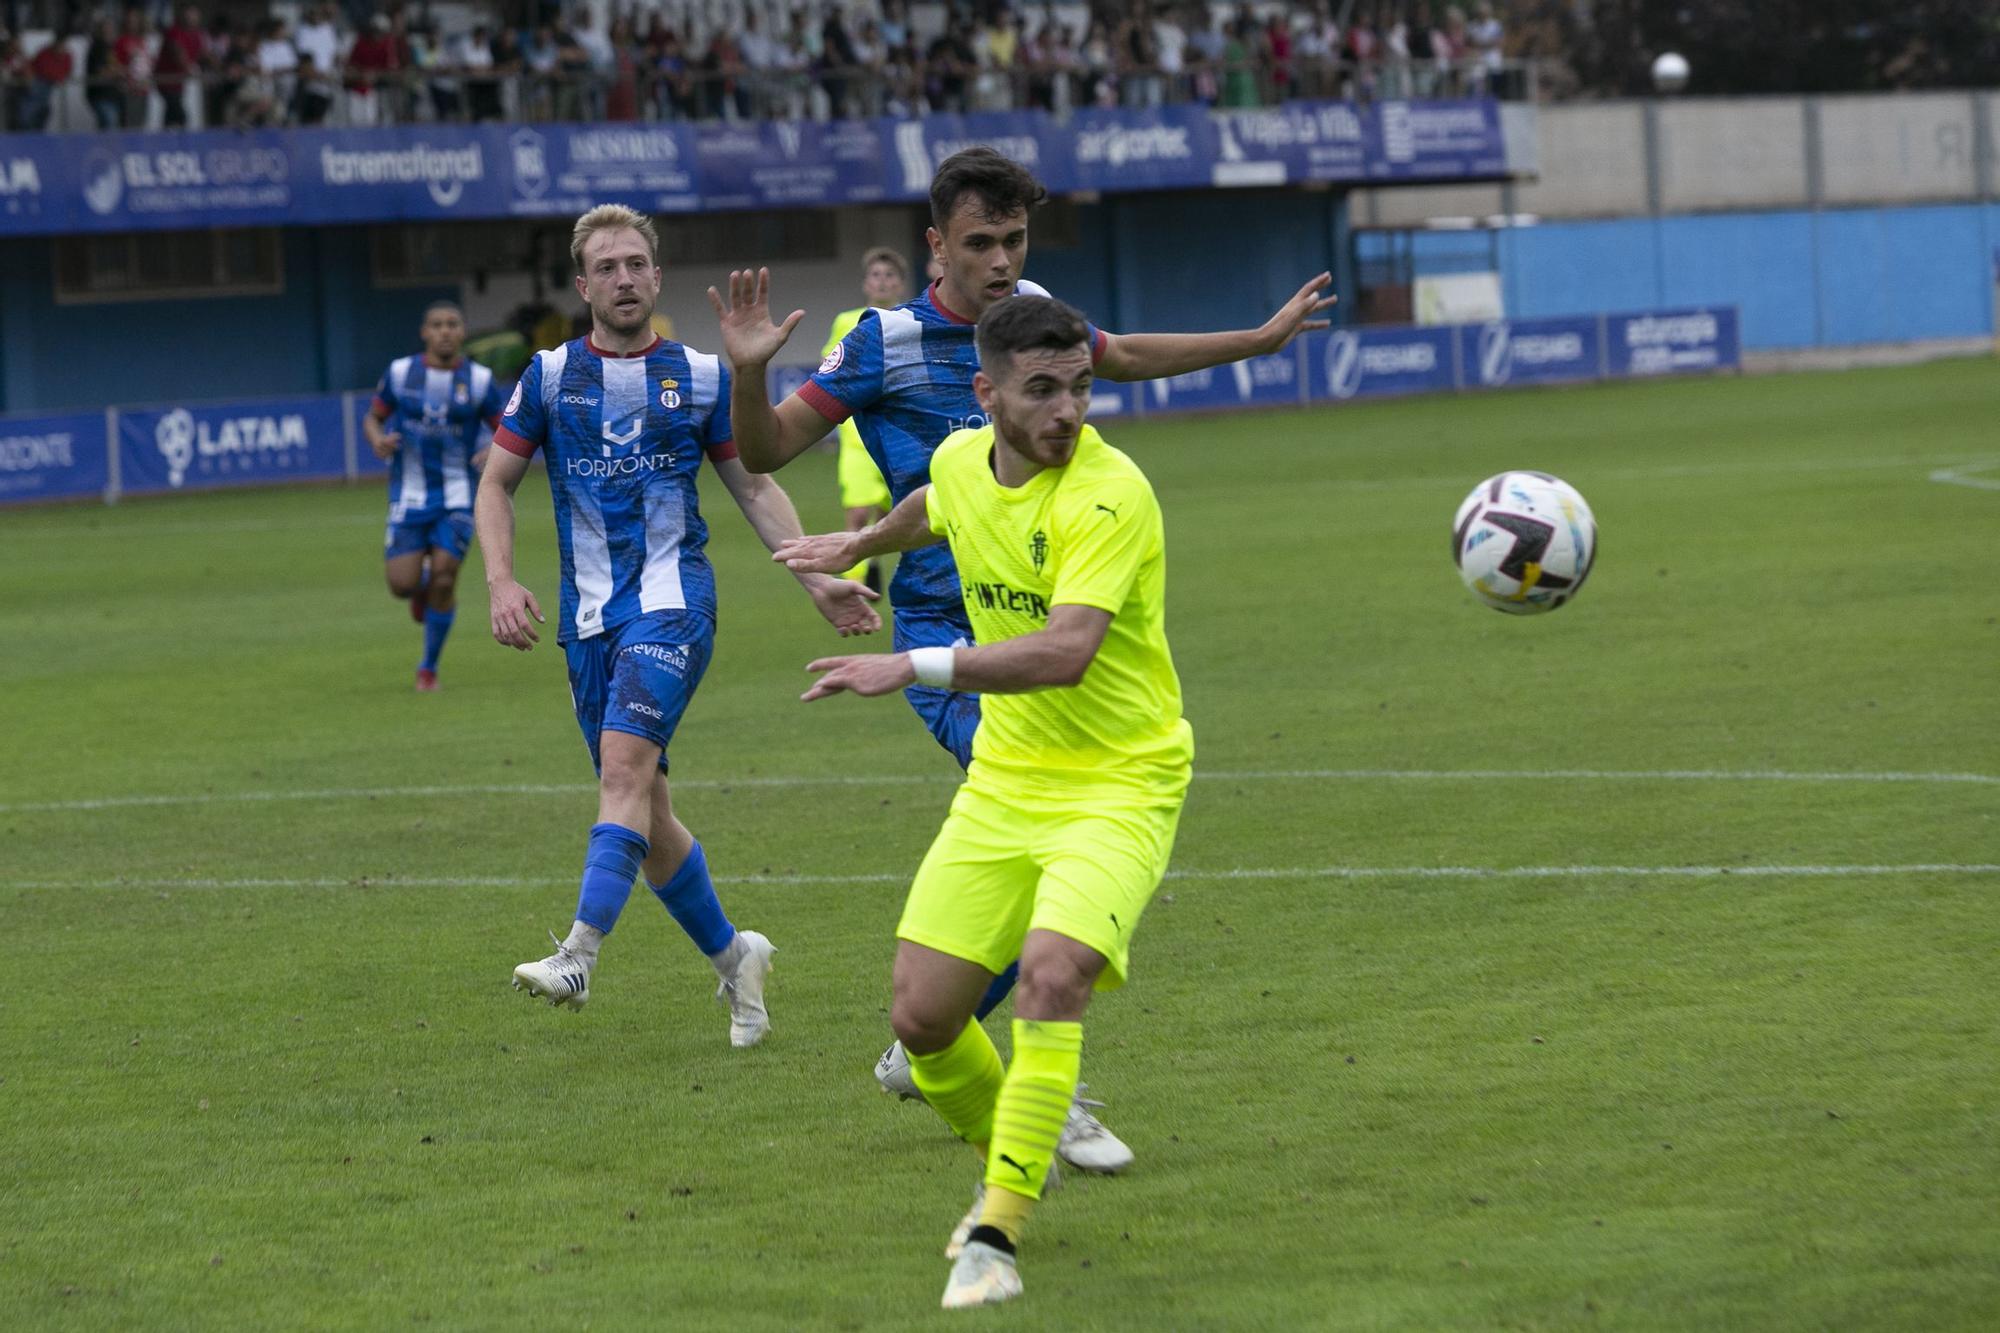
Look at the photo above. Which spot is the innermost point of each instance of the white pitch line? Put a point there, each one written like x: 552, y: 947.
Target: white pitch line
x: 912, y: 779
x: 1961, y: 476
x: 1237, y: 873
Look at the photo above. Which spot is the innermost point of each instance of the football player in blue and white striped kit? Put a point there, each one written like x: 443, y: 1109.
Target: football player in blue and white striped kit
x: 905, y: 378
x: 623, y: 419
x: 428, y: 423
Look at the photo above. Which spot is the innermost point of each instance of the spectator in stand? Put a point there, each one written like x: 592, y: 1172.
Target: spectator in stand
x: 1421, y: 41
x: 14, y: 81
x: 902, y: 74
x: 948, y: 67
x: 798, y: 57
x: 318, y: 36
x: 538, y: 61
x: 725, y: 74
x: 1316, y: 49
x: 1170, y: 41
x: 317, y: 91
x: 50, y: 68
x: 1096, y: 59
x: 1452, y: 47
x: 502, y: 91
x: 228, y: 61
x: 1364, y: 52
x: 182, y: 48
x: 1277, y: 53
x: 572, y: 75
x: 102, y: 86
x: 372, y: 64
x: 759, y: 57
x: 841, y: 57
x: 621, y: 98
x: 594, y: 78
x: 895, y: 24
x: 278, y: 65
x: 1395, y: 61
x: 1206, y: 44
x: 472, y: 53
x: 1486, y: 41
x: 1036, y: 63
x: 996, y: 47
x: 1138, y: 59
x: 135, y: 65
x: 1239, y: 63
x: 672, y: 83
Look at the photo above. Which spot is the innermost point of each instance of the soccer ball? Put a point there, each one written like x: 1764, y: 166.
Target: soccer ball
x: 1524, y: 542
x: 1670, y: 72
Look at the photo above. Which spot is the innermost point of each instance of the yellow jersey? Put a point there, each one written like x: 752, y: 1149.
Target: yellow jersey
x: 843, y: 324
x: 1088, y: 533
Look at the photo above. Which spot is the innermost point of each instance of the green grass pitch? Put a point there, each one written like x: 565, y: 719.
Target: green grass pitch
x: 263, y: 1068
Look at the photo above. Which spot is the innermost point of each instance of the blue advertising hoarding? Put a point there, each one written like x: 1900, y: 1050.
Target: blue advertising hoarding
x: 215, y: 178
x: 1524, y: 351
x: 1673, y: 342
x: 205, y: 445
x: 53, y: 457
x: 1261, y: 381
x: 1366, y: 363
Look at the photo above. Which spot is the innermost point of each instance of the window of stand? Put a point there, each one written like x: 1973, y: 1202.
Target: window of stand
x: 168, y: 265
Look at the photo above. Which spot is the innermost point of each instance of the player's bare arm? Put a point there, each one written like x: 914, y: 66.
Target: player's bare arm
x: 1050, y: 658
x: 767, y: 438
x: 1152, y: 356
x: 843, y: 602
x: 904, y: 528
x: 385, y: 443
x: 515, y: 610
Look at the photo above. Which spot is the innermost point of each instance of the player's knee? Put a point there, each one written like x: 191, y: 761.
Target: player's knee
x: 444, y: 580
x: 922, y: 1026
x: 1052, y: 987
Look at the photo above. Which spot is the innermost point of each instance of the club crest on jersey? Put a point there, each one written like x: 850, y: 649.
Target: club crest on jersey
x: 460, y: 395
x: 1038, y: 548
x: 832, y: 362
x: 514, y: 401
x: 670, y: 399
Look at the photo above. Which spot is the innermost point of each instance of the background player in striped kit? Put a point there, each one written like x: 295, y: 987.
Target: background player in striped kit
x: 427, y: 421
x: 623, y: 419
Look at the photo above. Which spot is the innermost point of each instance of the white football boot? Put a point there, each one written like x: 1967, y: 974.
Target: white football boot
x: 563, y: 978
x: 892, y: 1071
x: 1086, y: 1144
x: 743, y: 991
x: 981, y: 1275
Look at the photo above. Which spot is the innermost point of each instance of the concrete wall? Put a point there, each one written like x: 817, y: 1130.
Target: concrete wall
x: 1628, y: 159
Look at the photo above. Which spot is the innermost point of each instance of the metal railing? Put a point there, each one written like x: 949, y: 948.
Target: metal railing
x: 649, y: 93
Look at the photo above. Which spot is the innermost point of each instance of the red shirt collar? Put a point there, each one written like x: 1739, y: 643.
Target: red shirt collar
x: 944, y: 309
x: 647, y: 350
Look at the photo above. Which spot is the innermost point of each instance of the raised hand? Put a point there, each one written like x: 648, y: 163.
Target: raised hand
x: 829, y: 553
x: 386, y: 443
x: 749, y: 338
x: 871, y: 675
x: 1296, y: 315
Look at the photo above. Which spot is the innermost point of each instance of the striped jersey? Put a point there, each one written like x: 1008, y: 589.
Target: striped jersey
x: 905, y: 377
x: 623, y: 438
x: 440, y: 413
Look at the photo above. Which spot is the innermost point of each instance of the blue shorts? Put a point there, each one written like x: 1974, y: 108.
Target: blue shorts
x: 450, y: 532
x: 951, y: 715
x: 639, y: 677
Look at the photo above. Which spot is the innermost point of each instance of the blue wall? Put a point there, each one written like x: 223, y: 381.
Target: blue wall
x: 330, y: 329
x: 1802, y: 279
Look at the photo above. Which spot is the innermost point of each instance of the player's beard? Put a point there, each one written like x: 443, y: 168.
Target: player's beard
x: 1023, y: 440
x: 622, y: 325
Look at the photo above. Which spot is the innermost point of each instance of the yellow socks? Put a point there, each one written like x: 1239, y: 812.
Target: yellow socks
x: 962, y: 1082
x: 1028, y: 1119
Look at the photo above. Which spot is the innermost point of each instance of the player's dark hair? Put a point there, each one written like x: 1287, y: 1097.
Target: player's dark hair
x: 1002, y: 186
x: 442, y: 304
x: 1025, y: 324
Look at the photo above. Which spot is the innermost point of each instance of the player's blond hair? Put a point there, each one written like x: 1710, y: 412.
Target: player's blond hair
x: 612, y: 217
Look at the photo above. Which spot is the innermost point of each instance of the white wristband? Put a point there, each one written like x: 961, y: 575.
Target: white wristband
x: 933, y: 666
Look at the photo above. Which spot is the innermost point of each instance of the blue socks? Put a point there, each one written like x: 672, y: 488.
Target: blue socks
x: 609, y: 868
x: 437, y: 624
x: 997, y: 991
x: 690, y: 896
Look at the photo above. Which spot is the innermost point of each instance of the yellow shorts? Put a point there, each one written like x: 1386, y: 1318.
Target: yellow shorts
x: 861, y: 484
x: 1002, y: 866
